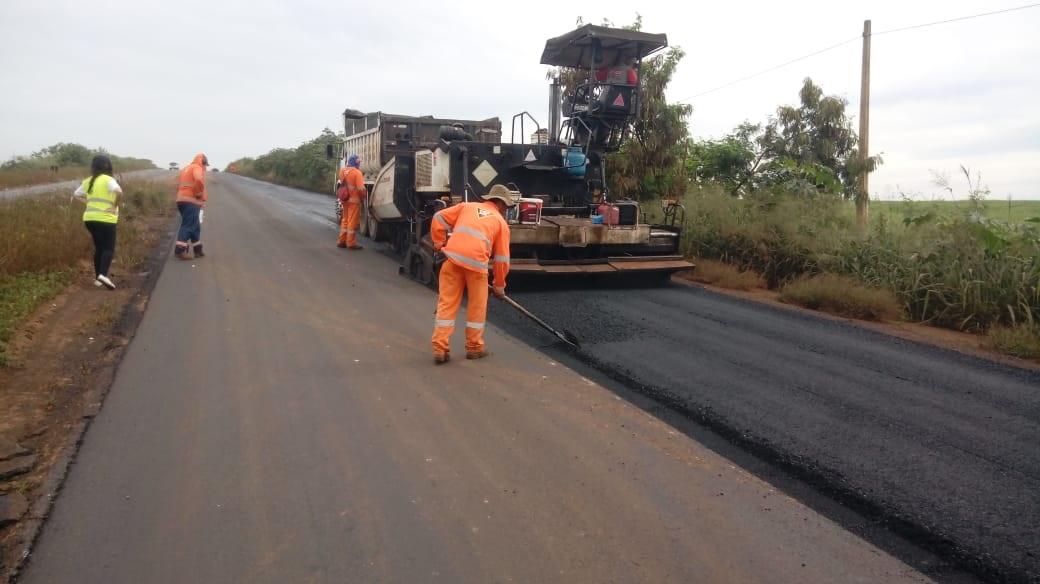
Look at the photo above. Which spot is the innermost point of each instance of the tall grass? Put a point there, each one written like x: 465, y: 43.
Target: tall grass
x: 44, y: 245
x: 724, y: 275
x: 956, y: 270
x: 34, y: 174
x: 842, y: 295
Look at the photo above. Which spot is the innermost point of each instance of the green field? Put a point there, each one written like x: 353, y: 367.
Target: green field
x: 1017, y: 212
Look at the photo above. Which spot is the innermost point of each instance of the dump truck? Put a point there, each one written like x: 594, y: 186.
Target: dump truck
x: 567, y: 221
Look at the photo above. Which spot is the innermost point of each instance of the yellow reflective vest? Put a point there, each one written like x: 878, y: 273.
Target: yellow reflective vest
x: 101, y: 203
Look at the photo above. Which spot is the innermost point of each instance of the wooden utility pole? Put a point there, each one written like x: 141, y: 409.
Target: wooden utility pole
x: 863, y: 194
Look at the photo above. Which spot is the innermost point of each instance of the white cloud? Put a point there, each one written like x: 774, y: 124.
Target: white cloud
x: 237, y: 78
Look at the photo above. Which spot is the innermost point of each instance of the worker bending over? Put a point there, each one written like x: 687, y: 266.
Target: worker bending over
x: 479, y: 240
x: 351, y: 192
x: 191, y: 198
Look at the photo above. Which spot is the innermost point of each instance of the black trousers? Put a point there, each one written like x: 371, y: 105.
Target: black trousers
x: 104, y: 235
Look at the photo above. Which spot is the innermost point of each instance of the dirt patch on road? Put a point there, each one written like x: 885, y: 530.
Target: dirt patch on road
x: 63, y: 361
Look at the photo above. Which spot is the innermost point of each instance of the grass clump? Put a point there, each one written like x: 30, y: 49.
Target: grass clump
x: 1022, y: 340
x: 724, y: 275
x: 21, y: 294
x: 843, y: 296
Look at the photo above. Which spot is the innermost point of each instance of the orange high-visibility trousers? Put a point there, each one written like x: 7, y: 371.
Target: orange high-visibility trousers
x: 453, y: 281
x: 348, y: 226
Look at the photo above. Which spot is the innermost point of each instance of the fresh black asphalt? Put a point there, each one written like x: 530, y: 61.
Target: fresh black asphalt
x: 940, y: 446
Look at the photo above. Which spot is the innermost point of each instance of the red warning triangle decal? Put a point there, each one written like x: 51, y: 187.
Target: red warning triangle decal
x: 619, y: 101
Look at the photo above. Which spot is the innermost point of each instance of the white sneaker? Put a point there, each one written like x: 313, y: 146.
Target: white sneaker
x: 97, y: 282
x: 107, y: 283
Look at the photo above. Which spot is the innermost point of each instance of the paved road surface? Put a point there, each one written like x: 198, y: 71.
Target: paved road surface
x: 278, y: 419
x: 70, y: 185
x: 946, y: 443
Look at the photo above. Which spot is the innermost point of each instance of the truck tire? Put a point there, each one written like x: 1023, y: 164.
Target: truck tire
x: 365, y: 231
x: 372, y: 226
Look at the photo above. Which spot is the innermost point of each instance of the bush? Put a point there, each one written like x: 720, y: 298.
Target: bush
x: 59, y: 162
x: 1021, y: 340
x: 304, y: 167
x: 724, y: 276
x: 843, y: 296
x: 958, y: 270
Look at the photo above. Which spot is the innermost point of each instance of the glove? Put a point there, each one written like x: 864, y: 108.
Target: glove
x: 498, y: 291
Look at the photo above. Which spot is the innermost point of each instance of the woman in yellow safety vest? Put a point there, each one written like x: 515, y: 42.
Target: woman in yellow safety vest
x: 101, y: 193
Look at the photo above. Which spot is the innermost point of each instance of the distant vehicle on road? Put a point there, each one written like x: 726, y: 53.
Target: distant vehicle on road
x: 175, y: 166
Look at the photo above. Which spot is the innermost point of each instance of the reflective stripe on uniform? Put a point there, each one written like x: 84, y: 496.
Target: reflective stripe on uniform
x: 474, y: 233
x: 101, y: 205
x: 475, y: 325
x: 443, y: 323
x: 442, y: 220
x: 501, y: 259
x: 469, y: 262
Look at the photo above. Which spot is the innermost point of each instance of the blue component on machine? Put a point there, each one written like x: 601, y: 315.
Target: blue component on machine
x: 576, y: 161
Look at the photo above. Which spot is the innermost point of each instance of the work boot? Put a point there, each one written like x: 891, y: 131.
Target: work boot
x: 341, y: 245
x: 441, y: 358
x: 477, y: 354
x: 198, y: 251
x: 356, y: 247
x: 181, y: 251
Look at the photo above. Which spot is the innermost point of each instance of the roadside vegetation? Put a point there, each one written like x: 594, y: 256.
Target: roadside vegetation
x: 724, y: 275
x: 774, y: 204
x: 843, y: 296
x: 1022, y: 340
x: 303, y: 167
x: 778, y: 199
x: 62, y: 161
x: 44, y: 247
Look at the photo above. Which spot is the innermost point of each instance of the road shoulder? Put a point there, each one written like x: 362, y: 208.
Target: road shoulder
x: 66, y: 356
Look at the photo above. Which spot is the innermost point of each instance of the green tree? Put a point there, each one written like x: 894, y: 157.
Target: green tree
x: 67, y: 154
x: 808, y: 149
x: 733, y: 161
x: 814, y: 144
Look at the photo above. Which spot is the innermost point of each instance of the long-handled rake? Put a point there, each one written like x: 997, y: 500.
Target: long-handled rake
x: 564, y: 335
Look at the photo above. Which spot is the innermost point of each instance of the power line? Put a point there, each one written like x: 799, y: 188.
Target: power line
x: 856, y: 38
x: 771, y: 69
x: 956, y: 19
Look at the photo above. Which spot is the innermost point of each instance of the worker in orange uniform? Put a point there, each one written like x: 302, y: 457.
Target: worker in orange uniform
x: 351, y: 192
x: 479, y: 239
x: 191, y: 197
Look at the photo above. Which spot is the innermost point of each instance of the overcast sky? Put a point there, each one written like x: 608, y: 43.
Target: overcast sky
x: 162, y: 80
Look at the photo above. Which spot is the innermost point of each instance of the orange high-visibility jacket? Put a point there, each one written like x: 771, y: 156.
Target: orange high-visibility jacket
x: 354, y: 181
x: 479, y: 238
x: 191, y: 187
